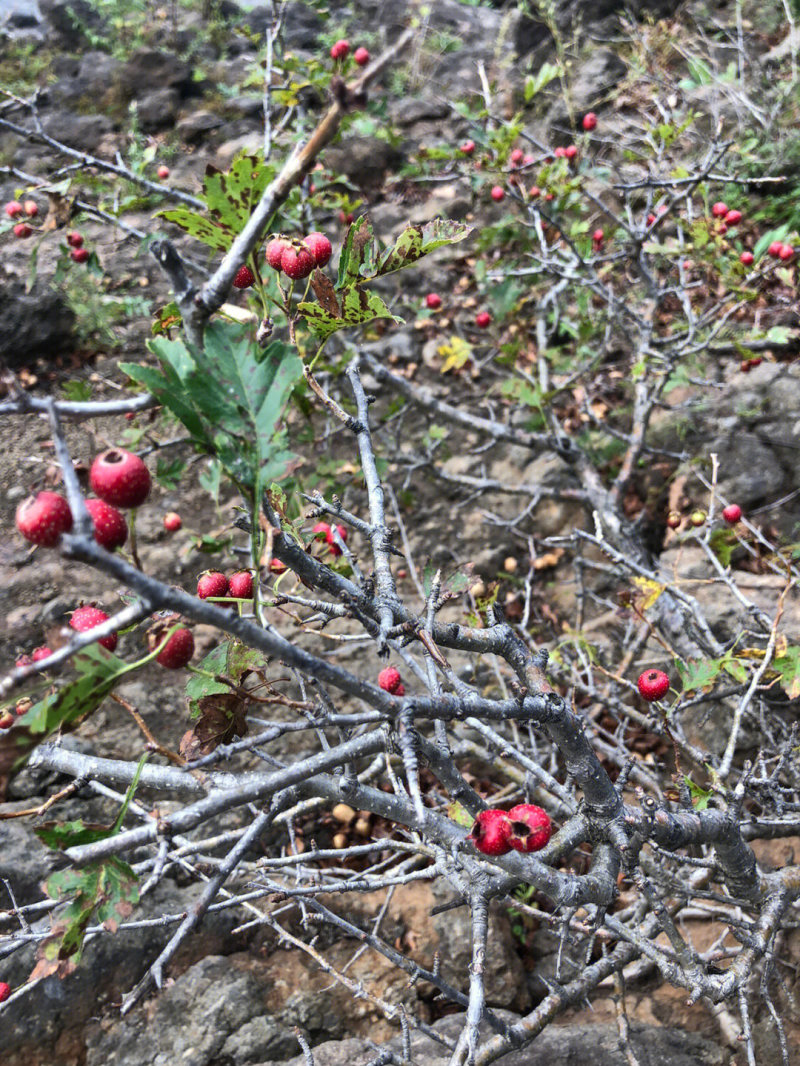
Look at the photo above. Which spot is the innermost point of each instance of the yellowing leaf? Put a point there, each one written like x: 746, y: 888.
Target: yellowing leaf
x: 456, y: 353
x: 651, y: 589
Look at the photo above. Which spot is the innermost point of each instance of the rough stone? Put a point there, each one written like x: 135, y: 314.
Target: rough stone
x: 302, y: 25
x: 33, y: 325
x: 157, y: 110
x: 416, y: 109
x: 148, y: 68
x: 72, y: 23
x: 78, y: 131
x: 197, y: 125
x: 88, y: 82
x: 364, y: 160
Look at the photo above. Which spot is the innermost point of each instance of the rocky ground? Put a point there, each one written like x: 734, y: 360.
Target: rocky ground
x: 231, y: 997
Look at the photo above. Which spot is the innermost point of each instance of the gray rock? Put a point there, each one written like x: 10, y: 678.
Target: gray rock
x: 197, y: 125
x: 78, y: 131
x: 72, y: 24
x: 567, y: 1045
x: 595, y: 77
x: 417, y: 109
x: 364, y: 160
x: 33, y: 325
x: 158, y: 110
x: 301, y: 29
x: 573, y: 16
x: 147, y: 69
x: 89, y: 82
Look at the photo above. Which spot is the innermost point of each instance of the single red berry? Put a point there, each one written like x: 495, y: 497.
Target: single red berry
x: 240, y: 585
x: 172, y: 522
x: 85, y: 618
x: 719, y: 209
x: 75, y: 239
x: 733, y: 218
x: 79, y: 255
x: 775, y: 249
x: 361, y: 56
x: 467, y: 148
x: 527, y: 159
x: 529, y: 827
x: 277, y: 567
x: 598, y: 236
x: 178, y: 650
x: 589, y: 121
x: 6, y: 722
x: 13, y: 209
x: 673, y: 519
x: 747, y: 258
x: 433, y: 300
x: 23, y: 660
x: 483, y: 320
x: 653, y: 684
x: 560, y: 153
x: 498, y: 193
x: 42, y: 519
x: 42, y: 653
x: 319, y: 246
x: 22, y: 230
x: 5, y: 991
x: 757, y: 361
x: 120, y: 478
x: 516, y: 157
x: 329, y: 539
x: 212, y: 583
x: 490, y: 833
x: 31, y: 208
x: 389, y: 679
x: 274, y: 251
x: 163, y: 171
x: 297, y: 263
x: 321, y: 531
x: 651, y: 219
x: 110, y: 527
x: 571, y: 151
x: 786, y: 253
x: 244, y: 277
x: 732, y: 513
x: 340, y: 49
x: 534, y: 191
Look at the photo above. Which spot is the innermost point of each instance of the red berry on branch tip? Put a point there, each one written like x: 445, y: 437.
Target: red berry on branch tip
x: 120, y: 478
x: 653, y: 684
x: 530, y: 827
x: 85, y: 618
x: 42, y: 519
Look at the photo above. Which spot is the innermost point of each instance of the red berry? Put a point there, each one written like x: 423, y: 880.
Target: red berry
x: 22, y: 230
x: 433, y: 300
x: 329, y: 540
x: 212, y: 583
x: 733, y: 218
x: 483, y: 320
x: 75, y: 239
x: 42, y: 653
x: 240, y: 585
x: 110, y: 527
x: 673, y: 520
x: 42, y: 519
x: 178, y: 650
x: 571, y: 151
x: 732, y: 513
x: 85, y: 618
x: 560, y: 153
x: 297, y: 263
x: 321, y: 531
x: 786, y: 252
x: 23, y: 660
x: 589, y: 121
x: 719, y: 209
x: 490, y: 833
x: 653, y: 684
x: 172, y: 522
x: 13, y: 209
x: 361, y: 56
x: 775, y: 249
x: 277, y: 567
x: 468, y: 147
x: 31, y: 208
x: 163, y: 171
x: 529, y: 827
x: 5, y: 991
x: 244, y: 277
x: 498, y: 193
x: 651, y: 219
x: 79, y: 255
x: 747, y: 258
x: 319, y: 246
x: 534, y: 191
x: 516, y: 157
x: 120, y: 478
x: 340, y: 49
x: 6, y: 722
x: 274, y: 251
x: 389, y: 680
x: 598, y: 236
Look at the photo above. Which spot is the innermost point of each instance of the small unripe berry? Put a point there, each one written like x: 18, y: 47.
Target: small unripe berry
x: 361, y: 56
x: 598, y: 236
x: 653, y: 684
x: 85, y: 618
x: 732, y: 513
x: 6, y: 719
x: 673, y: 520
x: 697, y: 518
x: 516, y: 157
x: 433, y: 300
x: 172, y: 522
x: 277, y: 567
x: 560, y: 153
x: 498, y: 193
x: 589, y: 121
x: 483, y: 320
x: 31, y: 208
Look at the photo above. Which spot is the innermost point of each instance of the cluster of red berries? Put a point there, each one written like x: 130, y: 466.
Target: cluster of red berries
x: 341, y: 49
x: 213, y: 584
x: 297, y: 258
x: 524, y: 828
x: 15, y: 209
x: 322, y: 531
x: 390, y: 681
x: 779, y: 250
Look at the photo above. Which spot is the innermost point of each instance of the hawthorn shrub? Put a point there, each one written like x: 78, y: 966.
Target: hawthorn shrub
x: 602, y: 284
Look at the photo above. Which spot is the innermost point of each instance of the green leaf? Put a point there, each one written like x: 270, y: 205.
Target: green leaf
x: 700, y: 796
x: 77, y: 391
x: 170, y: 472
x: 698, y: 674
x: 722, y: 542
x: 358, y: 306
x: 766, y: 239
x: 788, y: 667
x: 358, y: 255
x: 416, y: 241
